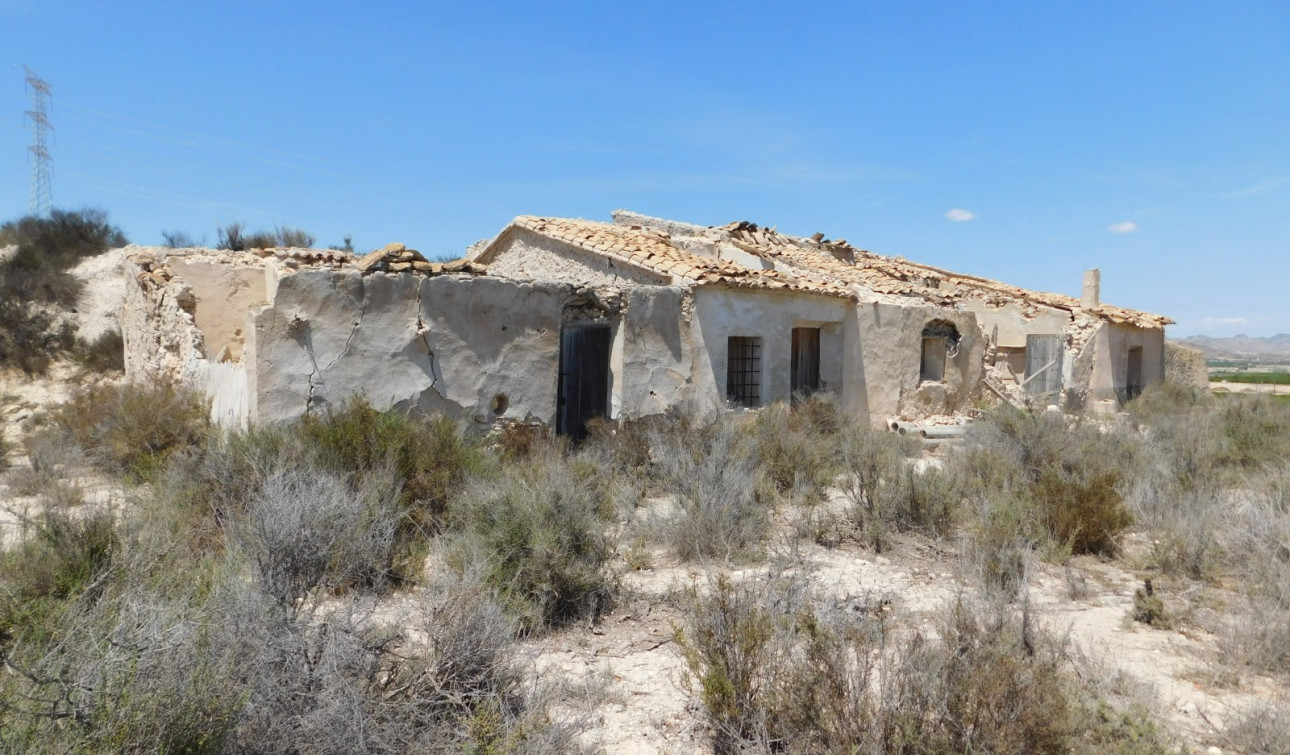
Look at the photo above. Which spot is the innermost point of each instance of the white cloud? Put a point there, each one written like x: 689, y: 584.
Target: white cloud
x: 1224, y: 321
x: 960, y: 215
x: 1127, y: 226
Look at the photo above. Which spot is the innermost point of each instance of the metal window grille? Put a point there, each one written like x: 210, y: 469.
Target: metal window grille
x: 743, y: 370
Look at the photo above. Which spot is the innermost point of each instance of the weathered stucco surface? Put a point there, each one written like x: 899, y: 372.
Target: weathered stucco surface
x: 278, y: 333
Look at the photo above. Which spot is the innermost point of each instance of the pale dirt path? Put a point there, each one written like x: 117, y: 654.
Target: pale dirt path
x: 644, y: 708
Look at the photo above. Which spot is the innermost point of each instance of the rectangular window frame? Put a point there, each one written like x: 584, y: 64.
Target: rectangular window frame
x: 743, y: 370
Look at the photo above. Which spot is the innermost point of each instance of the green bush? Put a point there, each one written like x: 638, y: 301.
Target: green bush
x: 880, y: 485
x: 133, y: 428
x: 797, y: 446
x: 31, y: 337
x: 430, y: 456
x: 63, y: 555
x: 1071, y: 475
x: 47, y: 248
x: 540, y: 535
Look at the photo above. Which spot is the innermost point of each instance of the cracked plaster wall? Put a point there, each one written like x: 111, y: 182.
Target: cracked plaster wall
x: 445, y: 343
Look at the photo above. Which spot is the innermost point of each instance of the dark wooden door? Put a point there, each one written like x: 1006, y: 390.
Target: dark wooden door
x: 805, y: 361
x: 1044, y: 366
x: 584, y: 378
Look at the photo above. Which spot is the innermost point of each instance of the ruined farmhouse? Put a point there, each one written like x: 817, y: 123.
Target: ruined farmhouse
x: 560, y: 320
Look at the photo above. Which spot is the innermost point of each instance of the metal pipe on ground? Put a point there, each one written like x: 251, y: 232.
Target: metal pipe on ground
x: 942, y: 431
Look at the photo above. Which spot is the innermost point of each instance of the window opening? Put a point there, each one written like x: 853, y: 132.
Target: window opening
x: 743, y: 370
x: 940, y: 342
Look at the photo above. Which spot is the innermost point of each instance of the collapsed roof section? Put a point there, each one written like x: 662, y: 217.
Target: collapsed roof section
x: 652, y: 250
x: 895, y: 276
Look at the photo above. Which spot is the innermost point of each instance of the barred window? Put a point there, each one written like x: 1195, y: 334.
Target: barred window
x: 743, y: 370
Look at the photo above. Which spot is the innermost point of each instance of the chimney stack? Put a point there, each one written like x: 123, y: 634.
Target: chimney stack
x: 1092, y: 289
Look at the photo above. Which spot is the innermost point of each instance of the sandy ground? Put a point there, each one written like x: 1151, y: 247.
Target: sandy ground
x: 632, y: 677
x: 644, y: 706
x: 99, y: 308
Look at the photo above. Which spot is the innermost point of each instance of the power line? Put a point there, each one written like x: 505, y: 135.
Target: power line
x: 42, y: 193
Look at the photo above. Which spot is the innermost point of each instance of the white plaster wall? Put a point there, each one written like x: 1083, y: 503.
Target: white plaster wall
x: 1109, y: 358
x: 525, y: 255
x: 890, y: 337
x: 225, y: 293
x: 657, y: 352
x: 721, y: 313
x: 1014, y: 324
x: 447, y: 343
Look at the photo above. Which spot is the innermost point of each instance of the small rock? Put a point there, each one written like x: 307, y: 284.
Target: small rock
x: 422, y: 267
x: 1213, y: 751
x: 400, y: 267
x: 392, y: 248
x: 369, y: 261
x: 456, y: 266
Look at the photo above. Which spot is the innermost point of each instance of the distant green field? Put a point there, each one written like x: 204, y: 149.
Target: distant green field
x: 1265, y: 378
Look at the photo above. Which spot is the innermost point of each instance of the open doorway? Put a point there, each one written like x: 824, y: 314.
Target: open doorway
x: 1133, y: 374
x: 805, y: 361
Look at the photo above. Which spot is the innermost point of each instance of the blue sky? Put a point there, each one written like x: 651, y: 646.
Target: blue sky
x: 1023, y: 141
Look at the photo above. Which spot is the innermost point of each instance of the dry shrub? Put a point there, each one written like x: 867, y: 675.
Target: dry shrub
x: 429, y: 455
x: 1260, y: 552
x: 798, y: 445
x: 133, y: 428
x: 1070, y: 476
x: 710, y: 465
x: 104, y: 354
x: 887, y: 494
x: 306, y: 528
x: 1264, y: 728
x: 778, y: 670
x: 539, y: 534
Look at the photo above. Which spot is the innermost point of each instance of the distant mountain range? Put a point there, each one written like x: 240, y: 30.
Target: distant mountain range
x: 1241, y: 347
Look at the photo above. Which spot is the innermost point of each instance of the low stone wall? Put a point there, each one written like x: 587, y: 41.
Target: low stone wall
x: 1186, y: 366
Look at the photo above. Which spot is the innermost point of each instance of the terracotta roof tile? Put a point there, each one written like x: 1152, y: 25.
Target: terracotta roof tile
x: 654, y: 252
x: 891, y: 275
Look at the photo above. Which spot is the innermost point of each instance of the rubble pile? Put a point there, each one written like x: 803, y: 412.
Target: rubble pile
x: 397, y: 258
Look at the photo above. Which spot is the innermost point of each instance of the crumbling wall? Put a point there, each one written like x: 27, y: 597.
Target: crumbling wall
x: 225, y: 291
x: 1186, y: 366
x: 162, y: 340
x: 890, y: 360
x: 1105, y: 359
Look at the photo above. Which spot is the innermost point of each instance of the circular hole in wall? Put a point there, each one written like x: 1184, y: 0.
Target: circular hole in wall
x: 499, y: 404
